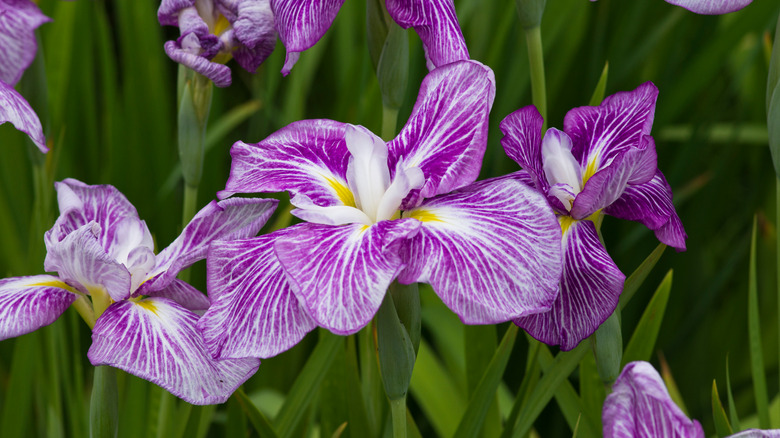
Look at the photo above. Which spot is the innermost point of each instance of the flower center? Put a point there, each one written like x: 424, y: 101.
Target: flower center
x: 561, y: 169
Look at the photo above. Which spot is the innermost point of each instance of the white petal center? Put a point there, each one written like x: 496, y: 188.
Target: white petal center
x: 561, y: 169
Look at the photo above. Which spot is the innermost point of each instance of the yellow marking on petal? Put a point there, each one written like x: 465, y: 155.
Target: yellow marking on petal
x: 56, y: 283
x: 364, y: 228
x: 566, y: 222
x: 148, y: 305
x: 345, y: 195
x: 221, y: 25
x: 589, y: 171
x: 424, y: 216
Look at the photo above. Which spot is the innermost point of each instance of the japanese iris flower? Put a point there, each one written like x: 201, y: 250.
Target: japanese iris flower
x: 144, y: 318
x: 710, y: 7
x: 604, y: 161
x: 16, y: 110
x: 640, y: 407
x: 18, y: 21
x: 374, y: 212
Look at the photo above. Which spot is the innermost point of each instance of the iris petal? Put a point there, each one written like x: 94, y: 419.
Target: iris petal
x: 29, y: 303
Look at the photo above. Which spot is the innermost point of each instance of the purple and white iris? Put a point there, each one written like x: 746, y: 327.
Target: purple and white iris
x: 16, y: 110
x: 710, y: 7
x: 144, y: 318
x: 18, y: 21
x: 640, y: 407
x: 374, y: 212
x: 604, y: 161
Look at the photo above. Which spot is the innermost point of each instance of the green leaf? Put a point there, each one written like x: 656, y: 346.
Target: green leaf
x: 608, y: 348
x: 732, y: 407
x: 722, y: 426
x: 774, y: 67
x: 530, y: 380
x: 103, y: 407
x: 18, y: 398
x: 642, y: 342
x: 480, y: 348
x: 773, y: 124
x: 601, y: 87
x: 485, y: 393
x: 256, y: 417
x: 635, y: 280
x: 754, y: 332
x: 396, y: 351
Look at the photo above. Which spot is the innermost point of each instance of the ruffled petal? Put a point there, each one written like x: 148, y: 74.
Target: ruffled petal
x: 340, y: 273
x: 301, y: 23
x: 168, y: 12
x: 235, y: 218
x: 184, y: 294
x: 756, y: 433
x: 18, y: 21
x: 156, y: 340
x: 600, y: 133
x: 80, y: 260
x: 436, y: 24
x: 490, y: 250
x: 711, y: 7
x: 309, y: 157
x: 446, y: 134
x: 29, y: 303
x: 640, y: 407
x: 253, y: 312
x: 15, y: 109
x: 590, y: 287
x: 651, y: 205
x: 254, y: 30
x: 218, y: 73
x: 522, y: 142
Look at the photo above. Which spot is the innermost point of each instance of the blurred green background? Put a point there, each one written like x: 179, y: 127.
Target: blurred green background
x: 112, y: 120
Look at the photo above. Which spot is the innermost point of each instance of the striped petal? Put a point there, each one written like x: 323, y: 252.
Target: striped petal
x: 301, y: 23
x: 29, y: 303
x: 522, y: 142
x: 18, y: 21
x: 184, y: 294
x: 446, y: 134
x: 436, y: 24
x: 490, y: 250
x: 651, y: 204
x: 253, y: 312
x: 218, y: 73
x: 640, y: 407
x: 340, y: 273
x: 156, y: 340
x: 756, y: 433
x: 308, y: 157
x: 711, y: 7
x: 254, y: 30
x: 590, y: 287
x: 15, y: 109
x: 235, y: 218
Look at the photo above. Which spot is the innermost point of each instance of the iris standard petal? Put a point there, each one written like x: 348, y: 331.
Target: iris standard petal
x: 168, y: 12
x: 522, y: 142
x: 602, y: 132
x: 15, y: 109
x: 29, y: 303
x: 254, y: 30
x: 340, y: 274
x: 253, y: 312
x: 308, y: 157
x: 301, y: 23
x: 437, y: 25
x: 651, y: 204
x: 235, y: 218
x: 590, y: 287
x: 711, y: 7
x: 18, y: 21
x: 218, y: 73
x: 80, y: 260
x: 640, y: 407
x: 156, y: 340
x: 184, y: 294
x: 446, y: 134
x: 490, y: 250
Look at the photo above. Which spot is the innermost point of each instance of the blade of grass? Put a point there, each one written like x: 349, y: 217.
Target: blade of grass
x: 733, y: 418
x: 754, y: 331
x: 722, y: 426
x: 258, y: 420
x: 601, y: 87
x: 642, y: 342
x: 530, y: 380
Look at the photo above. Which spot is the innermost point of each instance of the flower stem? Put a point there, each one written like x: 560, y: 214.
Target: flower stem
x: 533, y: 37
x: 190, y: 204
x: 389, y: 122
x: 103, y: 407
x: 398, y: 412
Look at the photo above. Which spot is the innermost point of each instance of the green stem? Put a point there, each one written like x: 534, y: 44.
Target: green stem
x: 84, y: 309
x: 389, y: 122
x: 398, y: 412
x: 533, y: 37
x: 777, y: 232
x: 190, y: 204
x: 103, y: 407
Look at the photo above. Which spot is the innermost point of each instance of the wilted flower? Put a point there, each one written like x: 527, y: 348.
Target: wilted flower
x: 144, y: 318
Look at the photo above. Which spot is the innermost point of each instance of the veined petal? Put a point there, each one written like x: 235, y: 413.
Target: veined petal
x: 651, y: 204
x: 309, y: 157
x: 331, y: 215
x: 301, y: 23
x: 340, y: 274
x: 522, y: 142
x: 253, y: 312
x: 640, y: 407
x: 756, y: 433
x: 600, y: 133
x: 254, y: 30
x: 80, y: 260
x: 436, y: 24
x: 711, y: 7
x: 15, y: 109
x: 168, y: 12
x: 29, y: 303
x: 491, y: 251
x: 156, y: 340
x: 218, y: 73
x: 446, y: 134
x: 235, y: 218
x: 18, y: 21
x: 590, y: 287
x: 184, y: 294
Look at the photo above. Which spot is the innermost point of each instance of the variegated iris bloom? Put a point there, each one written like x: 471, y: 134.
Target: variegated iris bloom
x: 603, y: 162
x: 710, y: 7
x: 17, y: 111
x: 142, y: 318
x: 640, y: 407
x: 375, y: 212
x: 18, y: 21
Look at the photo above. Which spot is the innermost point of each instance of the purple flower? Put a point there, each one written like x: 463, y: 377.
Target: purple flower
x: 15, y: 109
x: 604, y: 161
x: 640, y: 407
x: 710, y: 7
x: 18, y: 21
x: 146, y: 318
x: 374, y: 212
